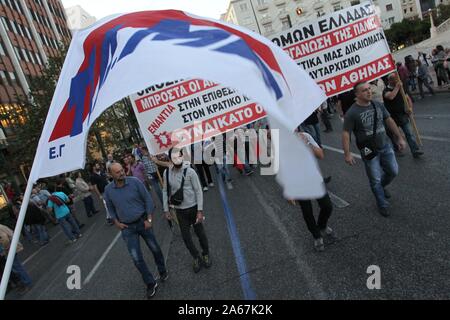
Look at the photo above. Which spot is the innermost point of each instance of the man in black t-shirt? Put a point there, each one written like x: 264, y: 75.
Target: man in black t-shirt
x: 98, y: 182
x: 394, y: 103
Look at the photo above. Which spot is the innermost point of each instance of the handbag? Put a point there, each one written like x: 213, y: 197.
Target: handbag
x: 368, y: 148
x: 177, y: 198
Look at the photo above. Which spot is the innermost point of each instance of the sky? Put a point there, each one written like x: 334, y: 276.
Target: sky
x: 103, y: 8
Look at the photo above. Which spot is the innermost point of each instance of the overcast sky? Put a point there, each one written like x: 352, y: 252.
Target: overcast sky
x: 103, y: 8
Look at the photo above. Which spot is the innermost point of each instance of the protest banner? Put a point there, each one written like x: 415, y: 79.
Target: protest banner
x: 340, y: 49
x: 186, y: 111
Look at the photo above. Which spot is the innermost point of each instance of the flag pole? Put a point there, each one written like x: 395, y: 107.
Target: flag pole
x: 410, y: 110
x: 15, y: 240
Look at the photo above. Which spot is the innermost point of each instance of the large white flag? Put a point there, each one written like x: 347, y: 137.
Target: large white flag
x: 123, y: 54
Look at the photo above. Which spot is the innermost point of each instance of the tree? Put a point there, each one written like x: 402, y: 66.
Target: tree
x: 443, y: 13
x: 407, y: 32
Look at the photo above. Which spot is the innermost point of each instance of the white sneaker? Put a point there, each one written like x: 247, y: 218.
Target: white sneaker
x: 211, y: 185
x: 205, y: 189
x: 318, y: 245
x: 229, y: 186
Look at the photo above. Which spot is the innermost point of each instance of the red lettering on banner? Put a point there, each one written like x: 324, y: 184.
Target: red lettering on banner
x: 333, y: 38
x: 171, y: 94
x: 367, y: 72
x: 202, y: 130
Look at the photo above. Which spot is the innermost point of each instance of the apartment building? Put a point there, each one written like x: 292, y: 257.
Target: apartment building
x: 30, y: 31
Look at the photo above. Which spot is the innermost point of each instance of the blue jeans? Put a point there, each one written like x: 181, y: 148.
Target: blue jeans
x: 19, y: 270
x: 155, y: 186
x: 407, y: 129
x: 381, y: 170
x: 42, y: 233
x: 131, y: 237
x: 69, y: 226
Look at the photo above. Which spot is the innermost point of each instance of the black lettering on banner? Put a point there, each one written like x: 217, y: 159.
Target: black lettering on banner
x: 157, y: 87
x: 295, y: 36
x: 335, y: 67
x: 364, y: 43
x: 342, y: 19
x: 333, y: 55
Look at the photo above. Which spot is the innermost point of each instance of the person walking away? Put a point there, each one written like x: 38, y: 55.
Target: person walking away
x: 132, y: 208
x: 367, y: 119
x: 311, y: 126
x: 99, y: 182
x: 201, y: 166
x: 35, y: 218
x: 393, y: 101
x: 319, y: 229
x: 423, y: 79
x: 151, y: 170
x: 85, y: 191
x: 182, y: 179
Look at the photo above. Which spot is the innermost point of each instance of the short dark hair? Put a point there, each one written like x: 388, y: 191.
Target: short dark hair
x: 51, y: 188
x: 357, y: 85
x: 144, y: 148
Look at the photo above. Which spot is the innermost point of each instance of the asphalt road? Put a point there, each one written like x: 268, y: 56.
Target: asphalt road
x: 260, y: 246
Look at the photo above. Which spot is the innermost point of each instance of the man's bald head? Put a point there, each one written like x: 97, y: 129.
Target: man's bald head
x: 117, y: 172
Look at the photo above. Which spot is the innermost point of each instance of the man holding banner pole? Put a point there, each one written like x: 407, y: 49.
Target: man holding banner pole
x: 399, y: 106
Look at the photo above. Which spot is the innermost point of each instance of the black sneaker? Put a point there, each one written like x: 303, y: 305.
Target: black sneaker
x: 151, y: 290
x: 164, y: 276
x: 206, y: 261
x: 384, y: 212
x: 387, y: 194
x: 197, y: 265
x: 417, y: 154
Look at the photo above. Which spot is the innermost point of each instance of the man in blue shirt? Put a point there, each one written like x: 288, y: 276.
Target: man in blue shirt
x: 57, y: 203
x: 131, y: 208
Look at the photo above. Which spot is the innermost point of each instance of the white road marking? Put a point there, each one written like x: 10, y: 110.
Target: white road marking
x: 435, y: 138
x: 340, y: 151
x: 337, y: 201
x: 100, y: 261
x: 40, y: 249
x: 294, y: 249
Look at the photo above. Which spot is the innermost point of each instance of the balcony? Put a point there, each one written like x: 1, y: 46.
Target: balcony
x: 280, y: 3
x: 262, y: 7
x: 266, y: 19
x: 282, y: 14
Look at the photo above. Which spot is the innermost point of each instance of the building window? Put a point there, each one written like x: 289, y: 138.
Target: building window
x: 337, y: 7
x: 3, y: 77
x: 2, y: 50
x: 389, y: 7
x: 356, y: 2
x: 391, y: 20
x: 268, y: 28
x: 410, y: 9
x: 286, y: 24
x: 12, y: 78
x: 404, y: 10
x: 243, y: 7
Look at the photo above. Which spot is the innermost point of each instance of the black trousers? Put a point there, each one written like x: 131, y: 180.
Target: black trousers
x: 326, y: 207
x: 202, y: 169
x: 186, y: 218
x: 89, y: 206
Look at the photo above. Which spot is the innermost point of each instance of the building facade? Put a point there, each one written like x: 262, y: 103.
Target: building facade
x: 30, y: 31
x: 269, y: 17
x: 78, y: 18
